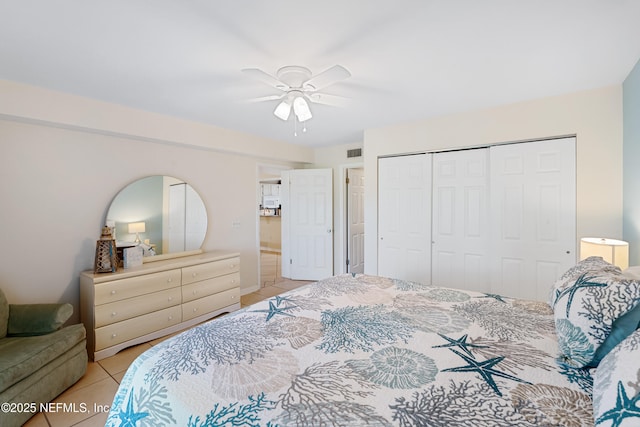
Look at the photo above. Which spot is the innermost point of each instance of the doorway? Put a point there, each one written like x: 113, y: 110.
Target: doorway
x: 354, y: 220
x: 269, y: 211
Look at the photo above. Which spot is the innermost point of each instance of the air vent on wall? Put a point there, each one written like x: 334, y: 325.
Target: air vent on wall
x: 356, y: 152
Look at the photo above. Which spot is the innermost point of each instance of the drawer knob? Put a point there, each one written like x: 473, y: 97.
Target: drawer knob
x: 195, y: 292
x: 170, y: 317
x: 169, y: 280
x: 233, y: 281
x: 195, y: 309
x: 113, y: 292
x: 170, y: 299
x: 113, y: 314
x: 114, y: 335
x: 232, y: 265
x: 194, y: 274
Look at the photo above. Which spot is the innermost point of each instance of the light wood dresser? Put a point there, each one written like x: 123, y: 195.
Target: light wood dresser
x: 135, y: 305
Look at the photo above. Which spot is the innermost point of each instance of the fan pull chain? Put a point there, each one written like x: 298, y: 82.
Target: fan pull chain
x: 295, y: 126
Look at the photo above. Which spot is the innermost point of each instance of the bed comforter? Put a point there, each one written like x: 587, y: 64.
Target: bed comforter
x: 361, y: 350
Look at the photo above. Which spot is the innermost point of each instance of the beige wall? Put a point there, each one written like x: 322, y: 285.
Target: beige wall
x: 595, y: 117
x: 63, y: 159
x: 35, y: 104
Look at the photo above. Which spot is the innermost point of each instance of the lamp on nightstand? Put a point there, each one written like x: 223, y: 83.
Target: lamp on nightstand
x: 613, y: 251
x: 136, y: 227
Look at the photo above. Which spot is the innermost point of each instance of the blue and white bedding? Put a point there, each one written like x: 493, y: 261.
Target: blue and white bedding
x: 363, y: 350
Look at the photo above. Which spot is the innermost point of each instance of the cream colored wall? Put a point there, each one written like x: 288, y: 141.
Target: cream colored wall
x: 35, y: 104
x: 595, y: 117
x: 63, y: 159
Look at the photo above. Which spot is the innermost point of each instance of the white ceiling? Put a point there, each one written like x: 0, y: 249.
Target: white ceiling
x: 409, y: 59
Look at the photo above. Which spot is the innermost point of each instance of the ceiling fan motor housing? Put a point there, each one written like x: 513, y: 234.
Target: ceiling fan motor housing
x: 293, y: 75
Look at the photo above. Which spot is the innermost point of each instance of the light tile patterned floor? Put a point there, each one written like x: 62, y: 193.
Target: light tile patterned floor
x: 96, y: 389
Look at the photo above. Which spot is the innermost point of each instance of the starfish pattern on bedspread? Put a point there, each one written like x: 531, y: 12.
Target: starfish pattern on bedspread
x: 130, y: 417
x: 460, y: 342
x: 485, y: 370
x: 275, y: 309
x: 494, y: 296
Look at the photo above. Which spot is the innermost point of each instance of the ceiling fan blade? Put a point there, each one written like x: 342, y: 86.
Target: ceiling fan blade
x: 266, y: 98
x: 325, y: 99
x: 265, y: 78
x: 326, y: 78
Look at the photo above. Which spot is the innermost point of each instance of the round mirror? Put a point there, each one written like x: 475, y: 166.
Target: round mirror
x: 162, y: 214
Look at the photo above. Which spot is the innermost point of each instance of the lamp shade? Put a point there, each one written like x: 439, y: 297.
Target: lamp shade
x: 613, y: 251
x: 301, y: 108
x: 136, y: 227
x: 283, y: 110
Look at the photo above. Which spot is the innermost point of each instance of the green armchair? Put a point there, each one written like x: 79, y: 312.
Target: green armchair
x: 39, y: 358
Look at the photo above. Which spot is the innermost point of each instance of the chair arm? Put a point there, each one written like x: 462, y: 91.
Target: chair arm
x: 37, y: 319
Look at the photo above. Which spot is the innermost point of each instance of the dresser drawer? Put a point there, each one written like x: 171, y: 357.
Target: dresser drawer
x: 210, y: 287
x: 199, y: 272
x: 211, y: 303
x: 126, y: 309
x: 134, y: 286
x: 126, y: 330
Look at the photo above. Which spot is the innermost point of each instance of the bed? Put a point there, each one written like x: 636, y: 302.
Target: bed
x: 356, y: 350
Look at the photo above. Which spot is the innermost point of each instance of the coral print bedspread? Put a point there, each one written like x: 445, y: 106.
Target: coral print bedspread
x: 363, y: 350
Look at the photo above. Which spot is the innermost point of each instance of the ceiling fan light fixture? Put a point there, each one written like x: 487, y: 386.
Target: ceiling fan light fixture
x: 301, y: 108
x: 283, y: 110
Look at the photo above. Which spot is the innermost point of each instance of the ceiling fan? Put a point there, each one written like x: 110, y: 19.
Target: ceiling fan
x: 298, y: 85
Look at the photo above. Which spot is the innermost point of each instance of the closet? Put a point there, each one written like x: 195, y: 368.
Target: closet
x: 497, y: 219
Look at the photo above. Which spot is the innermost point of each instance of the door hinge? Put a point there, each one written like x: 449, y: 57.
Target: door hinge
x: 347, y: 180
x: 290, y: 261
x: 347, y: 262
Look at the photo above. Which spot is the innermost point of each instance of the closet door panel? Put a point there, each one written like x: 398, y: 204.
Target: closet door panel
x: 404, y: 217
x: 533, y: 207
x: 460, y: 219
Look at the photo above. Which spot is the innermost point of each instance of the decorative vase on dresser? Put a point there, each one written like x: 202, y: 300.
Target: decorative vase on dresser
x: 136, y: 305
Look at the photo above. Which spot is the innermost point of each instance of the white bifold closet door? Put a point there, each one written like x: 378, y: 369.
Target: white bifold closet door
x: 500, y: 219
x: 404, y: 217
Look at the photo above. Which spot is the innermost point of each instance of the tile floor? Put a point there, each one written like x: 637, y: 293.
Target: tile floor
x: 98, y: 386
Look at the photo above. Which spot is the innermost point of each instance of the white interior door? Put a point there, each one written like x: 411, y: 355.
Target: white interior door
x: 355, y: 220
x: 533, y: 206
x: 307, y: 223
x: 460, y: 233
x: 404, y: 217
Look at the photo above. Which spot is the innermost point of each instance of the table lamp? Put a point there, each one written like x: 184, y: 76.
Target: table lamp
x: 136, y: 227
x: 613, y: 251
